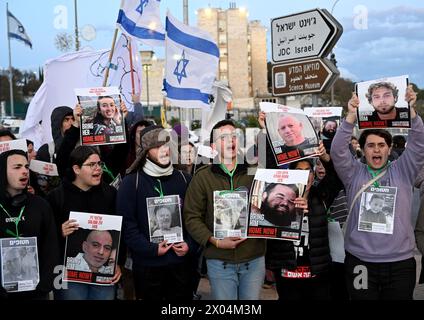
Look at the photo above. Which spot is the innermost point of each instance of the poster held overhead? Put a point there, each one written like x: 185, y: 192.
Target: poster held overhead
x: 102, y: 121
x: 382, y: 103
x: 290, y: 133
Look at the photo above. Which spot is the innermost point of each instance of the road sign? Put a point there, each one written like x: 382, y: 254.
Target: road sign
x: 304, y: 35
x: 307, y: 76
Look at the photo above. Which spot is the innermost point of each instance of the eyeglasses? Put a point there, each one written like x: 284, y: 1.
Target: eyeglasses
x: 227, y: 136
x: 93, y: 165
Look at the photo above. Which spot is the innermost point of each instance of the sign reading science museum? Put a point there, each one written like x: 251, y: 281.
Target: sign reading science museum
x: 310, y: 76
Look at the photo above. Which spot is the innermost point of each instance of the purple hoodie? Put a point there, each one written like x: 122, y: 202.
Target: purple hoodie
x: 377, y: 247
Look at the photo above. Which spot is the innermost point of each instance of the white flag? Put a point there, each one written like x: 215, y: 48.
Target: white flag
x: 191, y: 65
x: 17, y: 30
x: 141, y: 19
x: 74, y: 70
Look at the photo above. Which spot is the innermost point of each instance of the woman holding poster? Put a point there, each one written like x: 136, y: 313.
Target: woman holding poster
x: 82, y: 190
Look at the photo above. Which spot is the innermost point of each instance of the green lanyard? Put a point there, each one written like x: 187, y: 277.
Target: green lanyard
x: 230, y: 173
x: 106, y: 170
x: 375, y: 173
x: 17, y: 220
x: 160, y: 190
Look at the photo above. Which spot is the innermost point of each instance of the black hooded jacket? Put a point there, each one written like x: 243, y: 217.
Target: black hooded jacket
x: 56, y: 118
x: 37, y: 221
x: 281, y: 254
x: 68, y: 197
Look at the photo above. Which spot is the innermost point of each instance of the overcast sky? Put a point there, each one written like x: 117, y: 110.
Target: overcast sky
x: 377, y: 41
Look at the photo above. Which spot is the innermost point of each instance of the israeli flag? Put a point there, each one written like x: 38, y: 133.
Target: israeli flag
x: 17, y: 30
x: 141, y: 19
x: 191, y: 65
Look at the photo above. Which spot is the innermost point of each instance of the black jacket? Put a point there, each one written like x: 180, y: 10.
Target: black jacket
x: 56, y: 119
x: 114, y: 156
x: 131, y: 204
x: 281, y: 253
x: 67, y: 197
x: 36, y: 221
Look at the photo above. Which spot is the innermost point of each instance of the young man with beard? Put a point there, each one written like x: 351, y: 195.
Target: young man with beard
x: 328, y: 132
x: 23, y: 215
x: 82, y: 190
x: 383, y: 97
x: 278, y: 205
x: 161, y: 271
x: 236, y: 266
x: 388, y: 257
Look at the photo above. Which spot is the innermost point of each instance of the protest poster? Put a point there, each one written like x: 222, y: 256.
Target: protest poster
x: 13, y: 145
x: 377, y: 210
x: 165, y: 219
x: 19, y: 264
x: 102, y: 121
x: 290, y: 133
x: 382, y: 103
x: 272, y: 212
x: 91, y: 252
x: 326, y: 120
x: 230, y: 214
x: 44, y: 168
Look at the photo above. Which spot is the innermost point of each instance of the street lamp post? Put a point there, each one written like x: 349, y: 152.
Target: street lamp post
x: 333, y: 59
x: 146, y: 67
x: 77, y: 43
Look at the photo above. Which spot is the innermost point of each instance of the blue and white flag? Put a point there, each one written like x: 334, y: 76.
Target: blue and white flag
x: 141, y: 19
x: 17, y: 30
x: 191, y: 65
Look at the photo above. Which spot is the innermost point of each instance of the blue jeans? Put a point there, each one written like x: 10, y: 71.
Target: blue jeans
x: 242, y: 281
x: 82, y: 291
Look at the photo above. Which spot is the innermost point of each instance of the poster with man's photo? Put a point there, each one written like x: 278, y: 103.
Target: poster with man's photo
x: 290, y: 133
x: 19, y: 264
x: 102, y: 121
x: 272, y: 211
x: 165, y: 221
x: 230, y: 214
x: 91, y: 252
x: 326, y: 120
x: 382, y: 103
x: 377, y: 210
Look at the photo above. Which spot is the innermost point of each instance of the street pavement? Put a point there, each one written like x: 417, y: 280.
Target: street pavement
x: 271, y: 293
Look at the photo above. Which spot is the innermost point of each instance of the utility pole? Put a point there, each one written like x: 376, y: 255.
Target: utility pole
x: 12, y: 102
x: 77, y: 43
x: 333, y: 60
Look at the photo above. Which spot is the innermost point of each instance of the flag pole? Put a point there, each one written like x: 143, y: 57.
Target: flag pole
x: 12, y: 105
x: 110, y: 57
x: 111, y: 52
x: 131, y: 65
x: 185, y: 16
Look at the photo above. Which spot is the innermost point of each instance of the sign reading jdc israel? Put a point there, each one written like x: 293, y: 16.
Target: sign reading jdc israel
x: 304, y: 35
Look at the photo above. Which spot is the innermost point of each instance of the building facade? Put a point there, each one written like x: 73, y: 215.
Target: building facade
x: 243, y: 56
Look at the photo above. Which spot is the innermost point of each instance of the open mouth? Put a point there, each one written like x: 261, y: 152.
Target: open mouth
x: 377, y: 160
x: 23, y: 180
